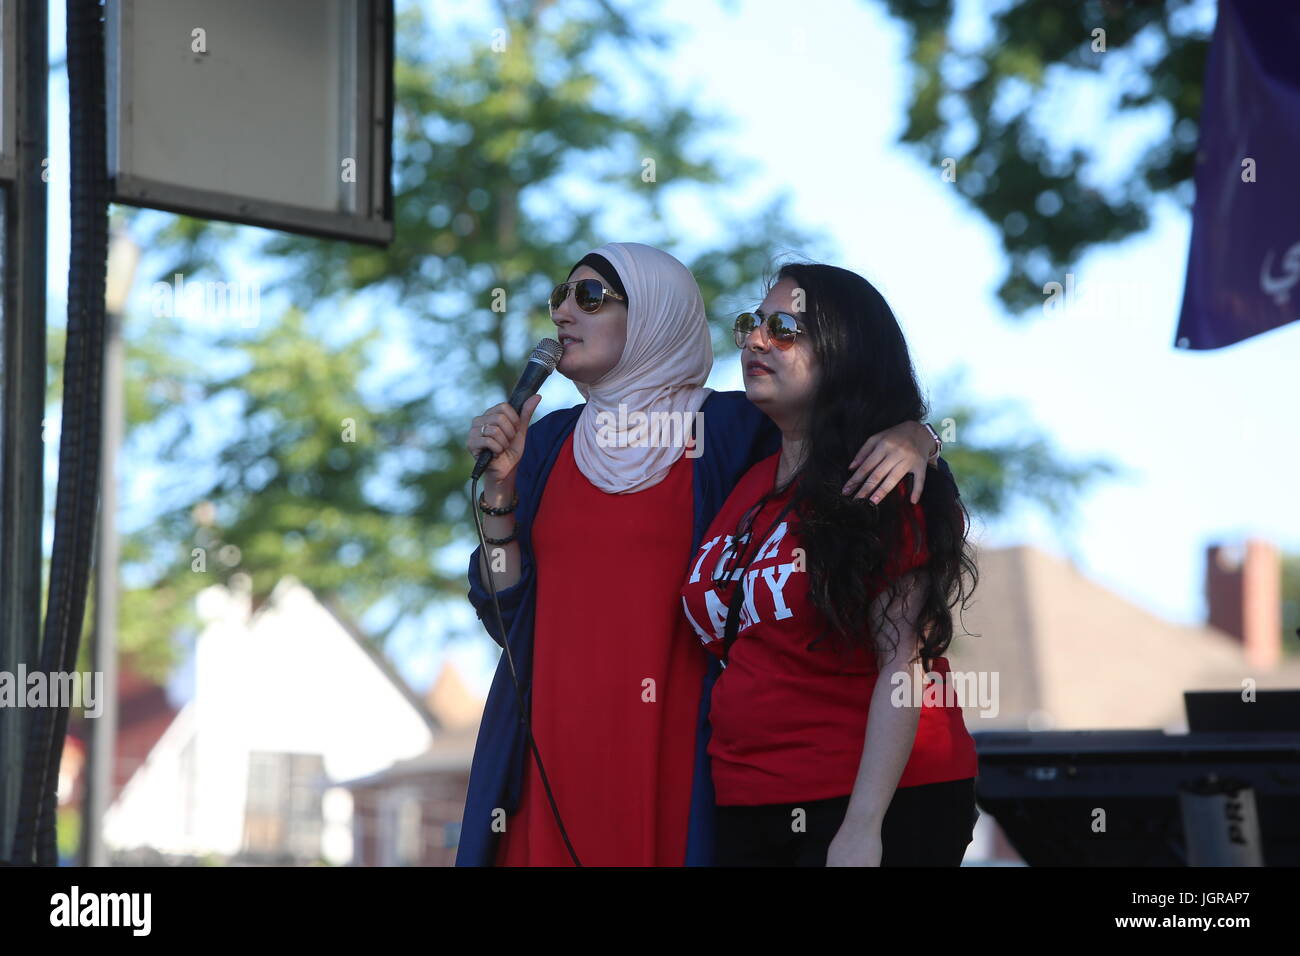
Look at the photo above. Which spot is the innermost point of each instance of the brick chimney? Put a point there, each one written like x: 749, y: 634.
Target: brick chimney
x: 1243, y: 586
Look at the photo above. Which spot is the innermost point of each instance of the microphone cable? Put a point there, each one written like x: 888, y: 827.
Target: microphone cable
x: 514, y: 676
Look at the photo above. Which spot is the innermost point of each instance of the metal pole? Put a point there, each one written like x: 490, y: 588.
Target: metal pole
x: 102, y: 739
x: 101, y: 752
x: 23, y: 374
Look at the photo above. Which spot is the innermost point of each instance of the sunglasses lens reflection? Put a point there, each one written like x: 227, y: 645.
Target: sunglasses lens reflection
x: 745, y: 323
x: 781, y: 328
x: 589, y: 294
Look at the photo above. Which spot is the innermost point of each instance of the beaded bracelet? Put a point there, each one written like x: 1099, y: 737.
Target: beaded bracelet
x: 483, y: 506
x: 506, y: 540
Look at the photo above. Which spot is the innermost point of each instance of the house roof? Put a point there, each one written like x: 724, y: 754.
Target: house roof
x: 363, y: 641
x: 453, y: 751
x: 143, y: 715
x: 1071, y: 654
x: 459, y: 711
x: 451, y: 702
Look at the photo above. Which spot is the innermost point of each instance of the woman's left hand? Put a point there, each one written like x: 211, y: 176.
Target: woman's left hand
x: 886, y: 457
x: 855, y: 844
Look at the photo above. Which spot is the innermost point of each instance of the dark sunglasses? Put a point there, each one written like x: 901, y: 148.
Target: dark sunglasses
x: 781, y: 328
x: 589, y: 294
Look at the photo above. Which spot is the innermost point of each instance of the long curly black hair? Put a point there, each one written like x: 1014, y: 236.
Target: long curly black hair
x: 866, y: 384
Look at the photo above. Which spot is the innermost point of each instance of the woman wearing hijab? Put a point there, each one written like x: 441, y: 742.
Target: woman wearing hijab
x: 590, y: 524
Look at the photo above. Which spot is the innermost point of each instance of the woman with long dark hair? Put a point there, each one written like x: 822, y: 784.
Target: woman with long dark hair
x: 830, y: 611
x: 588, y: 529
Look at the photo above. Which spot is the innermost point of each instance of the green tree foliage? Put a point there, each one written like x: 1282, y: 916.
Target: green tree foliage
x: 509, y: 149
x: 998, y: 107
x: 514, y: 151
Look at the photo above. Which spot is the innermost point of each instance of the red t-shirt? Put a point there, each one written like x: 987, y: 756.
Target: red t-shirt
x: 789, y: 721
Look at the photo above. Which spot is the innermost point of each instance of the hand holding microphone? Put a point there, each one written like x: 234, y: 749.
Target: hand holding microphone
x: 497, y: 436
x: 499, y: 433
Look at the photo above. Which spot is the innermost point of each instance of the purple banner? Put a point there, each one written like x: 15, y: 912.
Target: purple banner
x: 1243, y: 270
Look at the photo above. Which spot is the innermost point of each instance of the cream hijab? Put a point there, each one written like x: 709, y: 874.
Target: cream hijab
x: 665, y: 361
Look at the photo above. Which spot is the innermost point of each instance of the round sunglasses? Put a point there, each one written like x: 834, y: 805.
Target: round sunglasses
x: 781, y: 328
x: 589, y: 294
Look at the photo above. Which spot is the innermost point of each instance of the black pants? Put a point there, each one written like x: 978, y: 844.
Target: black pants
x: 929, y: 825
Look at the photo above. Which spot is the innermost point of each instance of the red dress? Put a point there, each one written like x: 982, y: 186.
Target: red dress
x: 617, y: 675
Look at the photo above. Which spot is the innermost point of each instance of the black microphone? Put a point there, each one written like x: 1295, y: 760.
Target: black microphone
x: 540, y: 364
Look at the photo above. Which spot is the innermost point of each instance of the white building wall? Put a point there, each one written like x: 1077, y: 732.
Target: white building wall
x: 150, y: 810
x: 293, y: 682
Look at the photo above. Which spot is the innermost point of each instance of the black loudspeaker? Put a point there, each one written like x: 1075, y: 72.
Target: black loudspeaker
x: 1126, y: 797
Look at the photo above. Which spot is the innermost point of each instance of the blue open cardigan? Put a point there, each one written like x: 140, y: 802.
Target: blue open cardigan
x: 736, y: 435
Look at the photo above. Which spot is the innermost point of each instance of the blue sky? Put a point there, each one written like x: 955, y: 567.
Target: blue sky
x: 815, y: 103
